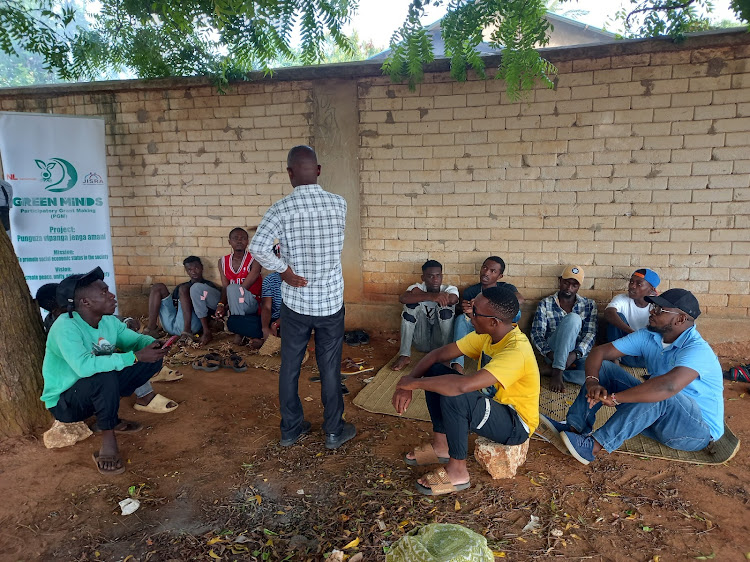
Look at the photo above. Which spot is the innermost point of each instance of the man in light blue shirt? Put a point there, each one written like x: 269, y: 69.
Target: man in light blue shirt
x: 681, y: 405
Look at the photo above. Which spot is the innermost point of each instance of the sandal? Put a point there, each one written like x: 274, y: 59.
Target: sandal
x: 425, y: 454
x: 438, y: 483
x: 209, y: 362
x: 234, y: 362
x: 167, y: 375
x: 348, y: 367
x: 123, y: 426
x: 363, y: 337
x: 738, y: 374
x: 159, y: 405
x: 108, y: 458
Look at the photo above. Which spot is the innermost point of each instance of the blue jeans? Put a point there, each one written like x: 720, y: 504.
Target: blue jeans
x: 615, y: 333
x: 463, y: 326
x: 563, y: 341
x: 676, y: 422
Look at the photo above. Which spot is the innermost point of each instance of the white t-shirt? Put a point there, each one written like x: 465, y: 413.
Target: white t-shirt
x: 450, y: 289
x: 636, y: 317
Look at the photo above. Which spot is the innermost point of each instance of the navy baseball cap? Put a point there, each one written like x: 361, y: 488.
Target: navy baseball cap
x: 66, y: 290
x: 677, y: 298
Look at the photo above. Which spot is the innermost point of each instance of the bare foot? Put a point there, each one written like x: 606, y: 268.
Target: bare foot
x: 237, y: 339
x: 457, y: 367
x: 556, y: 381
x: 153, y: 332
x: 401, y: 362
x: 255, y: 343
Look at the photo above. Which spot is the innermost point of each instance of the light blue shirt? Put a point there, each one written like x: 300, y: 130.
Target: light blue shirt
x: 689, y: 350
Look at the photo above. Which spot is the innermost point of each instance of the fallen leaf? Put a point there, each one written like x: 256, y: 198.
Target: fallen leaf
x: 212, y: 541
x: 212, y: 554
x: 457, y: 506
x: 534, y: 482
x: 258, y: 499
x: 352, y: 544
x: 498, y: 554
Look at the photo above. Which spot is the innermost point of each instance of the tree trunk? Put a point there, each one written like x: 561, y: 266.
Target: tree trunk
x: 21, y: 350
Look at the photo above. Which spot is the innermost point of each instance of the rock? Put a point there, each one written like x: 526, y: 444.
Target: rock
x: 65, y: 434
x: 501, y: 461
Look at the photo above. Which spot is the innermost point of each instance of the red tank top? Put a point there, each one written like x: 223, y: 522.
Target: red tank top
x: 238, y: 276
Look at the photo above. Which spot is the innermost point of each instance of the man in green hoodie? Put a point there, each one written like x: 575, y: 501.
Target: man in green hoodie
x: 85, y: 373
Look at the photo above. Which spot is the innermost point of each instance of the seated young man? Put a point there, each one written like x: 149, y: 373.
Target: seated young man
x: 429, y: 310
x: 258, y: 328
x: 190, y: 306
x: 241, y: 281
x: 681, y: 405
x: 629, y: 311
x: 500, y: 401
x: 564, y: 329
x: 492, y: 271
x: 84, y: 375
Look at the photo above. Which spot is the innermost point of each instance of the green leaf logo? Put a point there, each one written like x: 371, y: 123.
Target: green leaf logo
x: 55, y: 172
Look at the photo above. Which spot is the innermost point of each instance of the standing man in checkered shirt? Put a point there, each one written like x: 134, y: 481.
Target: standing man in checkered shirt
x: 309, y: 224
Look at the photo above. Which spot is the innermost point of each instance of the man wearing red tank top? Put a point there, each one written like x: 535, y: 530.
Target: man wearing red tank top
x: 240, y: 278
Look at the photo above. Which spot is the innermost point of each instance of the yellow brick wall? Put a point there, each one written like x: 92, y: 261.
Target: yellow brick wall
x: 631, y: 161
x: 635, y: 159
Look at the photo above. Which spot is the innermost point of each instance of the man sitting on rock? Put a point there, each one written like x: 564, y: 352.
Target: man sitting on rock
x: 188, y: 309
x: 492, y: 271
x: 564, y: 329
x: 84, y: 375
x: 629, y: 311
x: 681, y: 405
x: 428, y: 314
x: 499, y: 402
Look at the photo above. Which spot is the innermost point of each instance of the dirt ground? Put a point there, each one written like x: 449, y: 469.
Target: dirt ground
x: 215, y: 485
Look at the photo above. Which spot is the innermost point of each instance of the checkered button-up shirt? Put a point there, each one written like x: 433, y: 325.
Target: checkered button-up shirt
x: 548, y: 316
x: 309, y: 224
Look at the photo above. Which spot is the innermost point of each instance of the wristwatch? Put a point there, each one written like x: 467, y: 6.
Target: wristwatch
x: 578, y: 353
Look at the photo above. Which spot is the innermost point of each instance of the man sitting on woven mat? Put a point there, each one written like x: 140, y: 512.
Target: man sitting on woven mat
x: 681, y: 405
x: 564, y: 329
x: 83, y: 373
x: 499, y: 402
x: 429, y: 311
x: 490, y: 274
x: 629, y: 311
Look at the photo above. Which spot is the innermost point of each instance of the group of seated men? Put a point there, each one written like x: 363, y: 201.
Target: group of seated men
x: 680, y: 404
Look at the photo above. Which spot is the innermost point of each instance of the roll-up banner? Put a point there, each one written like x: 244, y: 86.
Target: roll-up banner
x: 59, y: 218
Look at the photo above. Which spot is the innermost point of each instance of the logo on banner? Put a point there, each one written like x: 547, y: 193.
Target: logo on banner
x: 92, y: 178
x: 55, y: 172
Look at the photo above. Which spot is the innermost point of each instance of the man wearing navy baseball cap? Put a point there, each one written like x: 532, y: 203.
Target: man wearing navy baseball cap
x: 681, y: 405
x: 92, y: 359
x: 629, y: 311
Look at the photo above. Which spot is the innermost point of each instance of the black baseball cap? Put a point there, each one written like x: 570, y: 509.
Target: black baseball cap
x: 677, y: 298
x: 67, y: 289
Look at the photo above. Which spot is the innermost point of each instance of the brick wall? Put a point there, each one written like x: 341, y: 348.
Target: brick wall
x: 640, y: 156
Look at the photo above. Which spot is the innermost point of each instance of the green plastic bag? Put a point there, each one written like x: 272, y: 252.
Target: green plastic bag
x: 441, y: 542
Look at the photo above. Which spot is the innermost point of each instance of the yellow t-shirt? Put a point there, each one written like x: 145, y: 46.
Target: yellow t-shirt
x: 512, y: 362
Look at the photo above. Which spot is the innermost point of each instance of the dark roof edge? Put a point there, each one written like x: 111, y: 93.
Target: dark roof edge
x: 366, y: 69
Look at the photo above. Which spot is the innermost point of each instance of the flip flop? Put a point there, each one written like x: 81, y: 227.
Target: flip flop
x: 106, y: 458
x: 438, y: 483
x: 425, y: 454
x: 167, y: 375
x: 209, y: 362
x: 127, y: 427
x: 234, y: 362
x: 159, y: 405
x: 356, y: 360
x: 738, y: 374
x: 350, y: 368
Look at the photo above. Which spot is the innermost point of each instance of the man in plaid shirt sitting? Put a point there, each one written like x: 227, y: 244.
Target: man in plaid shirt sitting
x: 564, y: 329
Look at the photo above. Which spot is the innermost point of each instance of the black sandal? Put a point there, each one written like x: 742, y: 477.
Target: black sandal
x: 235, y: 362
x: 209, y: 362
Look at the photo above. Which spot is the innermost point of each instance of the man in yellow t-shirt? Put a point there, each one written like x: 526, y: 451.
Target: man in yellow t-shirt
x: 500, y: 401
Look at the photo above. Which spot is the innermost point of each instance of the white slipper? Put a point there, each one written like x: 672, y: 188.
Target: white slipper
x: 159, y: 405
x: 167, y: 375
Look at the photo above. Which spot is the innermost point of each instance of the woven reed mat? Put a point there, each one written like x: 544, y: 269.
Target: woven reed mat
x: 376, y: 398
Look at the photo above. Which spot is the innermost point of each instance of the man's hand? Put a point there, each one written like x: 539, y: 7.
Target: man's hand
x: 220, y: 311
x: 596, y: 393
x: 407, y: 382
x: 401, y: 400
x: 151, y: 353
x: 442, y: 299
x: 292, y: 279
x: 276, y: 328
x: 466, y: 306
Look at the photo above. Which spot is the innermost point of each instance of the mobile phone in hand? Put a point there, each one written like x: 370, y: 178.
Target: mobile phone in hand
x: 170, y: 342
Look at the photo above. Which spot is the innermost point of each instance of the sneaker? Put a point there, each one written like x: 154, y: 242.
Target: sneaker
x: 344, y: 390
x: 580, y: 446
x: 549, y: 430
x: 333, y: 441
x: 304, y: 428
